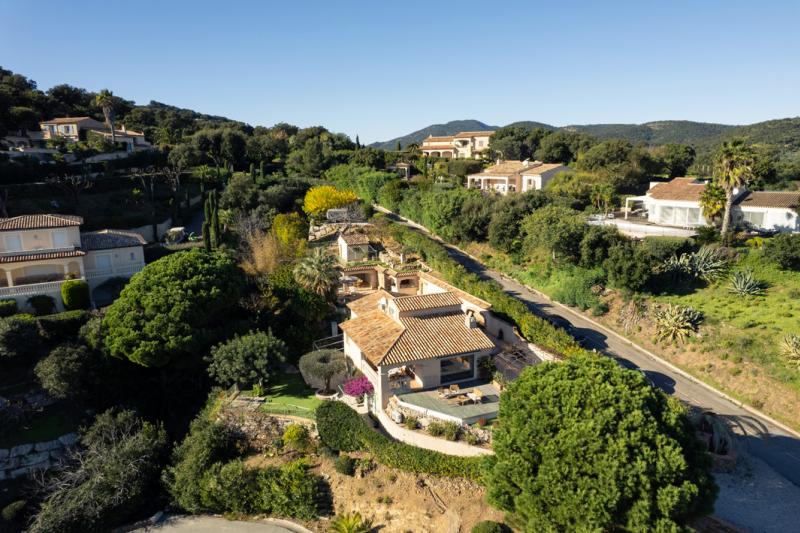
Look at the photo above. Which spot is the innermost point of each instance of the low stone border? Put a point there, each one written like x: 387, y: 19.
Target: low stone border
x: 23, y: 459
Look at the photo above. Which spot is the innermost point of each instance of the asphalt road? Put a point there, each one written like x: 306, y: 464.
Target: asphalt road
x: 759, y: 437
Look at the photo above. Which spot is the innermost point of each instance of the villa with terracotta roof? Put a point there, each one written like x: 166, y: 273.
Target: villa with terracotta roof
x: 676, y: 203
x: 515, y: 176
x: 39, y: 252
x: 431, y: 337
x: 77, y: 129
x: 466, y: 144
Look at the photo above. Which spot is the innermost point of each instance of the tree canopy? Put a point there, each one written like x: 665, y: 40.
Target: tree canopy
x: 247, y: 360
x: 587, y: 445
x: 172, y: 307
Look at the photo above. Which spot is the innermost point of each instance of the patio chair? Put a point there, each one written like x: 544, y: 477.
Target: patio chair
x: 455, y: 388
x: 477, y: 396
x: 441, y: 391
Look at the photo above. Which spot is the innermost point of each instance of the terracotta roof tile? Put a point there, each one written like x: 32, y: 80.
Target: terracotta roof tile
x: 67, y: 120
x: 467, y: 297
x: 355, y: 238
x: 473, y: 134
x: 782, y: 199
x: 369, y: 302
x: 17, y: 257
x: 23, y: 222
x: 374, y: 333
x: 513, y: 168
x: 111, y: 238
x: 427, y: 301
x: 680, y: 189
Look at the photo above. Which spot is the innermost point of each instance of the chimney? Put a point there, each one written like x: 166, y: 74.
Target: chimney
x: 469, y: 321
x: 498, y: 160
x: 526, y: 162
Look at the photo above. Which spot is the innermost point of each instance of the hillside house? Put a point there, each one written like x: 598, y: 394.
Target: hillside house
x: 77, y: 129
x: 39, y: 252
x: 515, y: 176
x: 677, y: 204
x: 465, y: 144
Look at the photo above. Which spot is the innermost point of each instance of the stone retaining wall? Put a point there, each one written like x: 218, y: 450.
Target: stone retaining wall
x: 24, y: 459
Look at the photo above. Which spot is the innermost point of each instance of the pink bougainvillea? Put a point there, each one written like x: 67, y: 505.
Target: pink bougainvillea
x: 358, y: 387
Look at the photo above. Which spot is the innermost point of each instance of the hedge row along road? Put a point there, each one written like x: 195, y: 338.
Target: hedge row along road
x: 776, y: 445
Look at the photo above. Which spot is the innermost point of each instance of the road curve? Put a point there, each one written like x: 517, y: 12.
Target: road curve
x: 778, y: 447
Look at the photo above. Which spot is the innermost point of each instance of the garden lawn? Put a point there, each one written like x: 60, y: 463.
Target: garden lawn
x: 290, y: 395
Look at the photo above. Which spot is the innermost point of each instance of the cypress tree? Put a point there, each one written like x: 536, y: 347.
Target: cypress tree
x: 399, y: 147
x: 261, y: 169
x: 253, y: 172
x: 358, y: 142
x: 216, y: 233
x: 206, y: 236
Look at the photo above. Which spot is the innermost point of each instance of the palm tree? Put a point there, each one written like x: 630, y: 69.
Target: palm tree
x: 733, y: 168
x: 712, y: 201
x: 105, y: 100
x: 318, y: 272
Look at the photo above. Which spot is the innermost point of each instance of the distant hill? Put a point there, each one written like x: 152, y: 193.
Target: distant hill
x: 451, y: 128
x: 652, y: 133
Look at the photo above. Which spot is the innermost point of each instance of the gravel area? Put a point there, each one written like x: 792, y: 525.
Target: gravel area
x: 758, y: 499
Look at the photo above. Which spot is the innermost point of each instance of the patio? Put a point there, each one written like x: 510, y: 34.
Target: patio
x: 430, y: 403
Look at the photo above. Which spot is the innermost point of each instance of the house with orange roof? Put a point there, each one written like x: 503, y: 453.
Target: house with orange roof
x: 465, y: 144
x: 515, y: 176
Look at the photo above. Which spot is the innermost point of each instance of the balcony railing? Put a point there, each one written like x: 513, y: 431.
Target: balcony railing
x: 38, y: 251
x: 32, y: 289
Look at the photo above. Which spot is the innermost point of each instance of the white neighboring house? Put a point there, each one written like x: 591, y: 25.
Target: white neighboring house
x: 676, y: 204
x: 77, y: 129
x: 465, y: 144
x: 39, y: 252
x: 515, y: 176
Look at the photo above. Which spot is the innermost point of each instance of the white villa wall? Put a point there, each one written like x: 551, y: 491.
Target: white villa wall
x: 654, y: 207
x: 775, y: 218
x: 125, y: 262
x: 40, y: 239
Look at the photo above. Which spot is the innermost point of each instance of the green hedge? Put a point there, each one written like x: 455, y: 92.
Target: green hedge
x: 19, y: 336
x: 341, y: 428
x: 60, y: 326
x: 8, y: 307
x: 42, y: 304
x: 75, y: 294
x: 534, y: 328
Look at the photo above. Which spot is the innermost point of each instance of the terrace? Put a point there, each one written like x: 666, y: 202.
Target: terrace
x: 456, y: 408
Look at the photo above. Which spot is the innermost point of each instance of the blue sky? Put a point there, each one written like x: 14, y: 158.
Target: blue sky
x: 381, y: 69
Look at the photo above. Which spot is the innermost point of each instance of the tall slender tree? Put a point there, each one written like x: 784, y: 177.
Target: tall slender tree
x: 733, y: 169
x: 105, y: 101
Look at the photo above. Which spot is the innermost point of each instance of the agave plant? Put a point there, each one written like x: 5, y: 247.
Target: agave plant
x: 676, y: 322
x: 790, y: 348
x: 350, y: 523
x: 744, y: 283
x: 708, y: 263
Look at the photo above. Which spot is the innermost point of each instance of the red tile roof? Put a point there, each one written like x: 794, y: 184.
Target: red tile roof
x: 427, y: 301
x: 18, y: 257
x: 782, y: 199
x: 680, y: 189
x: 23, y: 222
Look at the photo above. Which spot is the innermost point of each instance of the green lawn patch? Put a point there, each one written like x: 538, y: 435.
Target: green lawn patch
x: 290, y: 395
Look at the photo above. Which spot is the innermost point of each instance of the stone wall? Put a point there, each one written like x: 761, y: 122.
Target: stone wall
x: 24, y: 459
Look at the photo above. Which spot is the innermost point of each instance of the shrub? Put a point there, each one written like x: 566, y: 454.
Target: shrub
x: 342, y: 428
x: 488, y: 526
x: 66, y: 371
x: 246, y: 360
x: 112, y: 478
x: 662, y: 248
x: 62, y: 326
x: 8, y: 307
x: 75, y: 294
x: 744, y: 283
x: 288, y: 491
x: 358, y: 387
x: 344, y: 464
x: 574, y: 288
x: 323, y: 365
x: 676, y: 322
x: 229, y: 487
x: 296, y: 437
x: 436, y: 428
x: 206, y: 443
x: 13, y: 510
x: 452, y: 431
x: 42, y: 304
x: 350, y: 523
x: 784, y: 250
x: 411, y: 422
x: 19, y: 336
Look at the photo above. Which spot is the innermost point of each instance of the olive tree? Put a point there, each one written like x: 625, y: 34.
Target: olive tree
x: 323, y: 365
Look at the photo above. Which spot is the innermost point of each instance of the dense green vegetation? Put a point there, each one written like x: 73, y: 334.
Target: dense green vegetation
x: 588, y: 445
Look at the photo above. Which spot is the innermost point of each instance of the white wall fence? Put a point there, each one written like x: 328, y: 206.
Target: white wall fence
x: 421, y: 440
x: 21, y: 293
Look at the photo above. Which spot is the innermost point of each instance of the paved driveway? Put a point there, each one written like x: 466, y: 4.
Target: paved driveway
x: 212, y: 524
